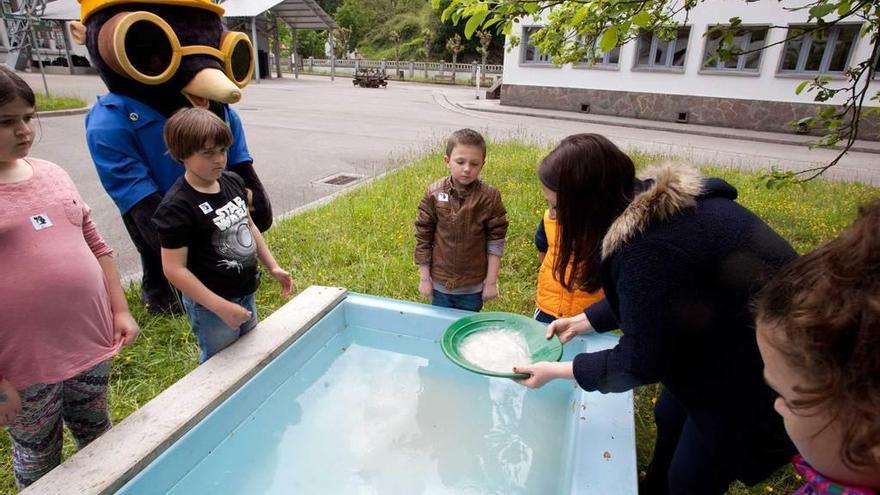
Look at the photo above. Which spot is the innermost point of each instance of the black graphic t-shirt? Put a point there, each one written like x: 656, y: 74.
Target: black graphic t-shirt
x: 222, y: 252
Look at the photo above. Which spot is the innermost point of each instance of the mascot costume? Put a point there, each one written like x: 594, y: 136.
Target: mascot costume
x: 156, y: 57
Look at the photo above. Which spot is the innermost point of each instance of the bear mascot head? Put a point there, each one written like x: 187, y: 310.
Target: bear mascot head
x: 156, y: 57
x: 166, y: 53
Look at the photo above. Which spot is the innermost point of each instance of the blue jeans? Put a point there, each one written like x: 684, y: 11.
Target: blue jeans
x: 468, y: 302
x: 214, y: 335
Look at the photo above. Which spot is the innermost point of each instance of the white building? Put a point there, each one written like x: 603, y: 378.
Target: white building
x: 673, y: 81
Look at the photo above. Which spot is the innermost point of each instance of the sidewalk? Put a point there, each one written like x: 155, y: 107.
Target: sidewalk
x: 494, y: 106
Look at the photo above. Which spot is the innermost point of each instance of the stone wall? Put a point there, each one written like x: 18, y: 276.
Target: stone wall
x: 755, y: 115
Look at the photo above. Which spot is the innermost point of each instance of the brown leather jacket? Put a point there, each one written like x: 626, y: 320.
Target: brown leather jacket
x: 453, y: 227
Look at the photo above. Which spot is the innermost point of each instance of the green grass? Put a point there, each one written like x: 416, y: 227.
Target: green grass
x: 50, y: 103
x: 364, y: 241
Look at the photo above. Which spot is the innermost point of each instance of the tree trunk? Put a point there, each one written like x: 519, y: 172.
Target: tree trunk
x: 454, y: 61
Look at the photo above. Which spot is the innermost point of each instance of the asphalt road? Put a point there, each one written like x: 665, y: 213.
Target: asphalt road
x: 301, y: 131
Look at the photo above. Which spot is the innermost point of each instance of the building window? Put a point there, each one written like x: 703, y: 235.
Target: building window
x: 655, y: 53
x: 746, y: 39
x: 877, y: 67
x: 530, y: 53
x: 822, y: 51
x: 602, y: 60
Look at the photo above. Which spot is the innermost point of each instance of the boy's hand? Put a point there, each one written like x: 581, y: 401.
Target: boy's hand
x: 490, y: 291
x: 284, y: 279
x: 10, y: 402
x: 232, y: 314
x: 125, y: 328
x: 426, y: 288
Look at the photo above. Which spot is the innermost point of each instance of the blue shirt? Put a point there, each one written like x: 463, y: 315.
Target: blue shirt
x: 125, y: 140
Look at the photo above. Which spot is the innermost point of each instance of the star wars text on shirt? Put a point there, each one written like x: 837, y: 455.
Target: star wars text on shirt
x: 230, y: 214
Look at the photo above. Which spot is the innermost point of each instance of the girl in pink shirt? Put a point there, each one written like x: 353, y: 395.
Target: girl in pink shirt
x: 64, y: 310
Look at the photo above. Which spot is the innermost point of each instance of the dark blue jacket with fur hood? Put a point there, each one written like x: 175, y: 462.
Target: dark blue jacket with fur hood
x: 680, y: 268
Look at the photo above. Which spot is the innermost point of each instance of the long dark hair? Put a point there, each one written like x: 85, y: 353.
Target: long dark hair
x: 594, y: 182
x: 12, y: 87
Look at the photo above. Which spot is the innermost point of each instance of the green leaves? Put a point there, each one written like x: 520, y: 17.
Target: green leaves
x: 777, y: 179
x: 609, y: 39
x: 806, y: 122
x: 531, y: 8
x: 579, y: 16
x: 574, y: 31
x: 821, y: 10
x: 642, y: 19
x: 476, y: 19
x: 448, y: 12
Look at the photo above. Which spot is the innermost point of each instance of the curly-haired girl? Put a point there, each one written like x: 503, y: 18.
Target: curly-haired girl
x: 819, y: 336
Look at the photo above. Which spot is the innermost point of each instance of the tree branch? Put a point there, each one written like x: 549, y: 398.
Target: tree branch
x: 858, y: 100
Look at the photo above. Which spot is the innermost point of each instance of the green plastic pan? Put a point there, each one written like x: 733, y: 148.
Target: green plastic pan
x: 532, y: 331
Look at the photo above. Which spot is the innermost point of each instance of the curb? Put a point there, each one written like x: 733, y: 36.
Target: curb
x: 648, y: 126
x: 63, y: 113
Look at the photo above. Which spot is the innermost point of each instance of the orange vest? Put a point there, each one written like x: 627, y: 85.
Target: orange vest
x: 552, y: 298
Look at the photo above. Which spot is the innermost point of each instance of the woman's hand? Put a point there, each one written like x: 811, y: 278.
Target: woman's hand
x: 569, y: 328
x: 10, y: 402
x: 125, y: 328
x: 543, y: 372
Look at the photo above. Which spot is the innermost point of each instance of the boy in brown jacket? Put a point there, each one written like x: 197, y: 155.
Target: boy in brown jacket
x: 460, y: 230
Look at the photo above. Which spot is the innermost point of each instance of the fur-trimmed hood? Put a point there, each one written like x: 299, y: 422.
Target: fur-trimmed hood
x: 666, y: 190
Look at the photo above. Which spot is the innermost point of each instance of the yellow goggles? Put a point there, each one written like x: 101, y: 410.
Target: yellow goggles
x: 142, y: 46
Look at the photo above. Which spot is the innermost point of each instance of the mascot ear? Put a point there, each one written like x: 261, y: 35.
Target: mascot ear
x: 78, y: 31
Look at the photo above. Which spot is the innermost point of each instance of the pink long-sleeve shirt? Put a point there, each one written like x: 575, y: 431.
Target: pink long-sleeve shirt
x: 54, y: 301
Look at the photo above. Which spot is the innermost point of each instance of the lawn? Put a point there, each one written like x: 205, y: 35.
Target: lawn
x: 364, y: 241
x: 50, y: 103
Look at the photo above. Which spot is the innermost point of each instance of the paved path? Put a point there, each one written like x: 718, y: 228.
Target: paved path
x: 300, y: 131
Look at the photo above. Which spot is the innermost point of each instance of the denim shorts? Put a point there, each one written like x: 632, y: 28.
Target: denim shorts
x: 212, y: 333
x: 468, y: 302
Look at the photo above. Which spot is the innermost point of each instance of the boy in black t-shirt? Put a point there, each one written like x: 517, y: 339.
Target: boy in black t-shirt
x: 209, y: 245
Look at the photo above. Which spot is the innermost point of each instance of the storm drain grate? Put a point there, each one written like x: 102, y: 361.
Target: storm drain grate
x: 340, y: 179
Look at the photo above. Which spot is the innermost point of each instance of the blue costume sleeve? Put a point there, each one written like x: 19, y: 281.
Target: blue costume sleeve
x: 113, y: 146
x: 238, y: 152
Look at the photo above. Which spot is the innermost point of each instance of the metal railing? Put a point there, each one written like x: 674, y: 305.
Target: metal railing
x: 440, y: 66
x: 407, y: 69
